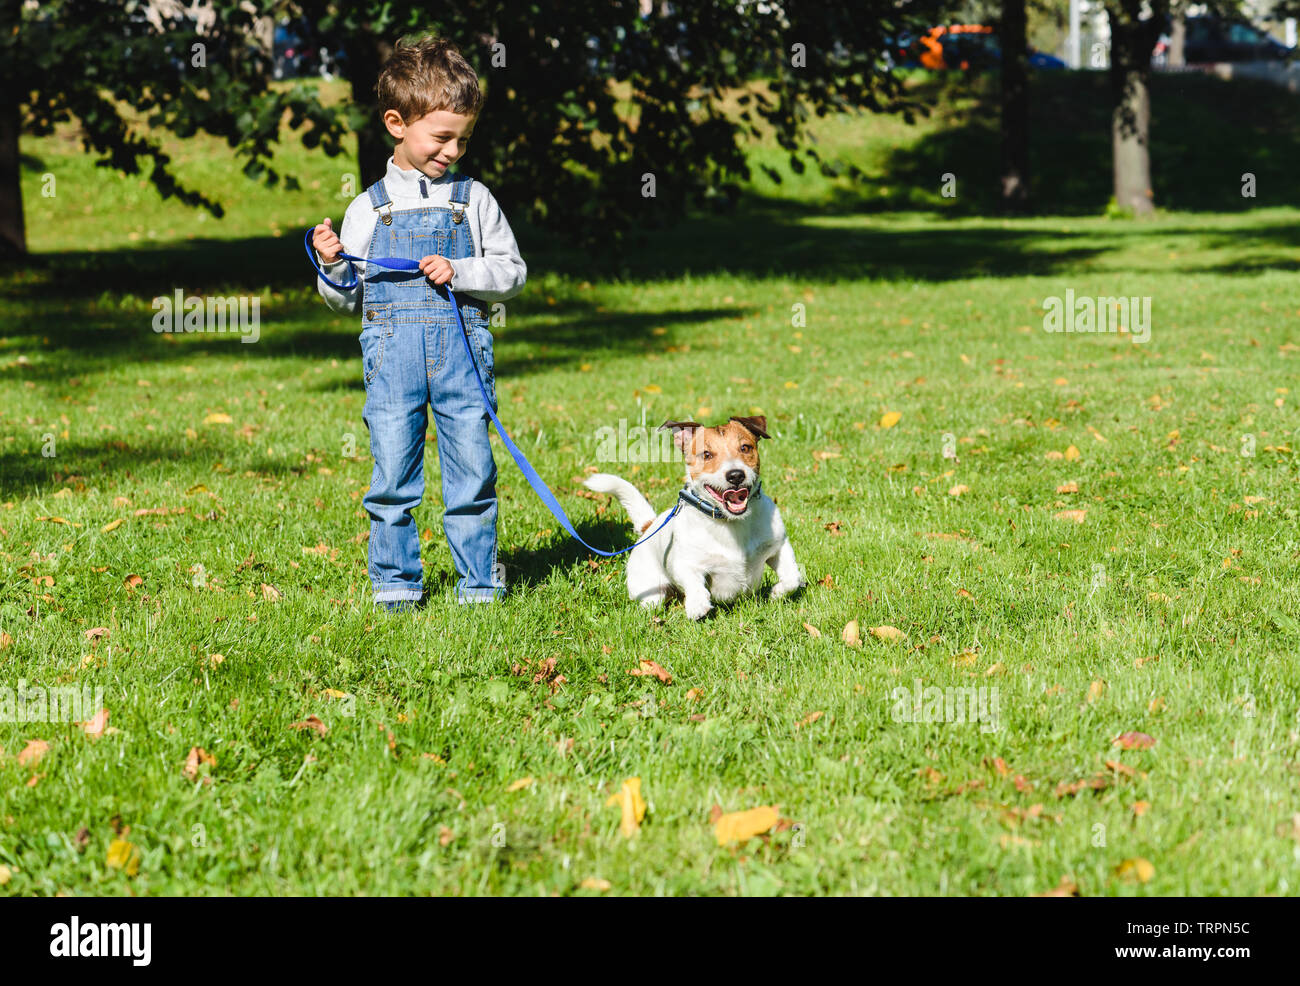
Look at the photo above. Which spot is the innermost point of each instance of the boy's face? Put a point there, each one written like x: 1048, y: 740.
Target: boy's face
x: 432, y: 143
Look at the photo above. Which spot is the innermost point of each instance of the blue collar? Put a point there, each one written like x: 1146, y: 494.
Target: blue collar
x: 714, y: 511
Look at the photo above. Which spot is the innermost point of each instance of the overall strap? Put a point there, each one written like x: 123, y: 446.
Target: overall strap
x: 379, y: 199
x: 460, y: 197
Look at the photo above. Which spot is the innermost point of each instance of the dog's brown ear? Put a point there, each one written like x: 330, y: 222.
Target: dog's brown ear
x: 683, y: 431
x: 756, y: 424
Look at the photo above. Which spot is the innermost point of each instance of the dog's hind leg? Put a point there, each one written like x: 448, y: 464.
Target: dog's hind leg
x: 647, y: 583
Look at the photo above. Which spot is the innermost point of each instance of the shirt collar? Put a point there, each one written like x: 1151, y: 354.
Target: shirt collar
x: 406, y: 182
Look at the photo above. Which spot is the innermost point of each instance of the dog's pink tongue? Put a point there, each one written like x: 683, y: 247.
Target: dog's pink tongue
x: 735, y: 499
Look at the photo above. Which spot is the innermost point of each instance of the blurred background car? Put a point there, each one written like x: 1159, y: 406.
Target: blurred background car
x: 1213, y: 39
x: 969, y: 47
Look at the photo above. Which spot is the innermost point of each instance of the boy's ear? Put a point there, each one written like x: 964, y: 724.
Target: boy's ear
x: 756, y: 424
x: 683, y: 432
x: 394, y: 124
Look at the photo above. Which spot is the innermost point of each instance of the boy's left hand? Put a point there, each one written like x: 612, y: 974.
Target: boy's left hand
x: 437, y: 269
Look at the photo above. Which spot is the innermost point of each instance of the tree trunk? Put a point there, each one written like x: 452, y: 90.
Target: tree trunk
x: 365, y: 54
x: 13, y: 232
x: 1015, y: 107
x: 1178, y: 36
x: 1130, y: 134
x: 1132, y: 41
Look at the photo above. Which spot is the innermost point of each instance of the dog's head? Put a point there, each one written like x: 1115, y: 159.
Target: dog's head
x: 721, y: 461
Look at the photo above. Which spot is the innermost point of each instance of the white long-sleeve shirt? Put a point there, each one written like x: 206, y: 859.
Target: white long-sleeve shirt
x: 495, y: 272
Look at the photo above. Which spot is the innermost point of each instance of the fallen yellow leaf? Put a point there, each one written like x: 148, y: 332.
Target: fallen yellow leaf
x: 738, y: 826
x: 890, y: 418
x: 631, y: 804
x: 1137, y: 868
x: 123, y: 856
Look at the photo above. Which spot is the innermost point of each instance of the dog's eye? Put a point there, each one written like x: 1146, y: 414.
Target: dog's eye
x: 706, y: 455
x: 746, y: 448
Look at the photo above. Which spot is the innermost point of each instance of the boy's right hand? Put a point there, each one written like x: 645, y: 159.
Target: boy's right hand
x: 327, y: 243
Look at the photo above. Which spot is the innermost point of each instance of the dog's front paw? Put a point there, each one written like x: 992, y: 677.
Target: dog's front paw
x: 783, y: 589
x: 697, y: 607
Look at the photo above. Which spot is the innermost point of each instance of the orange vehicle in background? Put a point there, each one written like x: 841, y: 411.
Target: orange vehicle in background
x: 962, y: 46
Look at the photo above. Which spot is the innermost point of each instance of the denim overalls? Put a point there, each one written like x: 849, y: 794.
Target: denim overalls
x: 413, y: 356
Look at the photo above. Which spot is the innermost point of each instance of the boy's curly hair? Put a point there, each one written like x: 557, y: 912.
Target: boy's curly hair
x: 425, y: 75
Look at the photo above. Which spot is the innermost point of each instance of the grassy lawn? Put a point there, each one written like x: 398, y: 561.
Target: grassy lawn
x: 1109, y: 546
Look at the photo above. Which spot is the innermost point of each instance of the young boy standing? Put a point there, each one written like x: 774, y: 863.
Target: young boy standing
x: 411, y: 351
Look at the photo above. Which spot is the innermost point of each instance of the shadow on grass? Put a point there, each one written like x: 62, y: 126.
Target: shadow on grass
x: 27, y: 472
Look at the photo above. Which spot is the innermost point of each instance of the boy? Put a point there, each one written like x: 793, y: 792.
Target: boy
x: 411, y: 350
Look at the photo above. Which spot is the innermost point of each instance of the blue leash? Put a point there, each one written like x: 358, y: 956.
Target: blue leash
x: 534, y: 480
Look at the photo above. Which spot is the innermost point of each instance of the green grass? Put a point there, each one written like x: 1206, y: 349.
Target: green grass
x: 936, y: 316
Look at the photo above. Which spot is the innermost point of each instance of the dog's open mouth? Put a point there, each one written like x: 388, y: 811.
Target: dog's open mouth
x: 733, y: 500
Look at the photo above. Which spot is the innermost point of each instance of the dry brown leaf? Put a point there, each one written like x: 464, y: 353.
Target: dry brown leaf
x: 653, y: 669
x: 96, y: 725
x: 851, y: 634
x: 31, y: 754
x: 1134, y: 741
x: 888, y: 633
x: 1077, y: 516
x: 198, y: 757
x: 311, y: 722
x: 520, y: 784
x: 1066, y: 888
x: 812, y: 630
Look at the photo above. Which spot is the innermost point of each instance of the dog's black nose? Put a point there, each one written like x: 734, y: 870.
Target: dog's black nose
x: 736, y: 476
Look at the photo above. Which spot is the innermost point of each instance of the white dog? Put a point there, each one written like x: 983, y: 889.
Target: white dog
x: 725, y: 531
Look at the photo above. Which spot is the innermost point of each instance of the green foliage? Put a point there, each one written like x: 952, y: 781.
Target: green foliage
x: 585, y: 101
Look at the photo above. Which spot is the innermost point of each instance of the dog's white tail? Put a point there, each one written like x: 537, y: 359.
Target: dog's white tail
x: 637, y: 506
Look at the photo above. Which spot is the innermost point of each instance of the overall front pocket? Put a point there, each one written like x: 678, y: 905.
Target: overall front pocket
x: 376, y: 327
x: 481, y: 338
